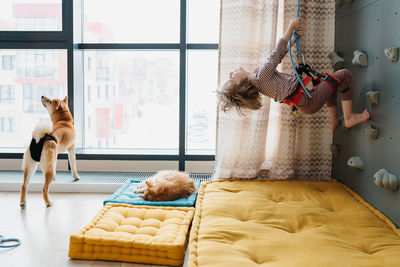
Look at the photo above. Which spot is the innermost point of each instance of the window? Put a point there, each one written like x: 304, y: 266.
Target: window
x: 8, y: 62
x: 203, y: 22
x: 89, y: 63
x: 89, y: 93
x: 7, y: 94
x: 202, y: 103
x: 7, y: 124
x: 32, y: 94
x: 132, y: 21
x: 138, y: 84
x: 31, y: 15
x: 145, y: 117
x: 40, y: 63
x: 102, y: 65
x: 37, y: 72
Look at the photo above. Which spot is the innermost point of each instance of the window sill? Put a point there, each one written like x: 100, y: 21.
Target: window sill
x: 122, y: 154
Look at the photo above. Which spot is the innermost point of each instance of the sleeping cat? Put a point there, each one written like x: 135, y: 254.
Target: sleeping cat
x: 166, y: 186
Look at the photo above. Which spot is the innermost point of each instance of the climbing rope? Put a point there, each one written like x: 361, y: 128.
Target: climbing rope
x: 302, y: 67
x: 296, y: 38
x: 3, y: 240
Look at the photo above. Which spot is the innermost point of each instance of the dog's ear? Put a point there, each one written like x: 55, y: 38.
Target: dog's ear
x: 58, y: 105
x: 66, y: 100
x: 149, y: 184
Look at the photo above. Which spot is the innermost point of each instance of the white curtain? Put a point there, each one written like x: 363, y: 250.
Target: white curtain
x: 272, y: 141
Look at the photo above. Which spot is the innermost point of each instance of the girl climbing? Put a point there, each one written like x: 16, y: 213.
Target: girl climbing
x: 243, y: 88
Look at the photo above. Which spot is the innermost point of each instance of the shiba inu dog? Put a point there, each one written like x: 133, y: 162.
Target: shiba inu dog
x: 47, y: 141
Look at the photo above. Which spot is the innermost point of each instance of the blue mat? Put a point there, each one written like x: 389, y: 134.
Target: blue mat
x: 125, y: 195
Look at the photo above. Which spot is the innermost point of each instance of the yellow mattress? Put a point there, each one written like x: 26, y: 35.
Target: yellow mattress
x: 144, y: 234
x: 288, y: 223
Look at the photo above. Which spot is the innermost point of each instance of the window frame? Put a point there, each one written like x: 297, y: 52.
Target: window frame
x: 42, y: 36
x: 70, y: 39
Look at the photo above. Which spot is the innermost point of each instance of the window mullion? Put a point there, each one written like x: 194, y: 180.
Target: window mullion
x: 182, y: 87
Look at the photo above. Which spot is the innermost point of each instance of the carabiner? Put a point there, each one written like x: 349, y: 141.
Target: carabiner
x: 302, y: 58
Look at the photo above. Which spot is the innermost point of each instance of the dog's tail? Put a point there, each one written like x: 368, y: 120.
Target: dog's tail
x: 41, y: 129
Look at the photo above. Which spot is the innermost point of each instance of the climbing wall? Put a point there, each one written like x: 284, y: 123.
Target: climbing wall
x: 371, y: 26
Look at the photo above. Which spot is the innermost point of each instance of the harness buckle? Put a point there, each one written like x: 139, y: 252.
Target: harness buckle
x: 324, y: 77
x: 294, y: 110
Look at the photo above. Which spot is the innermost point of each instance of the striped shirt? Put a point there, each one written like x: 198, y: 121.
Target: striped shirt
x: 271, y: 82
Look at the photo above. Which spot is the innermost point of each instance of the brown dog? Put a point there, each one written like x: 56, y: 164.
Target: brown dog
x: 47, y: 142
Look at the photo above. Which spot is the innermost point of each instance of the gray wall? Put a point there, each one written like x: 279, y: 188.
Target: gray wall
x: 371, y: 26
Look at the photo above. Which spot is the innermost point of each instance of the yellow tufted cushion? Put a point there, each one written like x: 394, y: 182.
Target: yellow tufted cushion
x: 288, y: 223
x: 144, y: 234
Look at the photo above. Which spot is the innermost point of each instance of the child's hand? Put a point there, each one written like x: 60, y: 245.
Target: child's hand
x: 295, y: 24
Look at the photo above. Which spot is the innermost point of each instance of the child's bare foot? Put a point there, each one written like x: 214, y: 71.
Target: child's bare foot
x: 355, y: 119
x: 335, y: 123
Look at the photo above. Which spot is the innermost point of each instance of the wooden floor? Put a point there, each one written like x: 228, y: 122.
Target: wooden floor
x: 44, y: 232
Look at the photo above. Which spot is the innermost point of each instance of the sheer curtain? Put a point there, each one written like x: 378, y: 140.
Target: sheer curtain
x: 272, y: 141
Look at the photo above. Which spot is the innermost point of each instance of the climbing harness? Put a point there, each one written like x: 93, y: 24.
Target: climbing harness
x: 312, y: 75
x: 293, y: 99
x: 3, y: 240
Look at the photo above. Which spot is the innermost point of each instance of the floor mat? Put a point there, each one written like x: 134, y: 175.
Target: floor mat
x: 125, y: 195
x: 288, y: 223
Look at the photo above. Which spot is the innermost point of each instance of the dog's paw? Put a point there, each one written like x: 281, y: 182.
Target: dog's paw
x: 76, y: 177
x: 49, y: 205
x: 22, y: 205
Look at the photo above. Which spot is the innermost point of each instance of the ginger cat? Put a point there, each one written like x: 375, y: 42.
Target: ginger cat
x: 166, y: 186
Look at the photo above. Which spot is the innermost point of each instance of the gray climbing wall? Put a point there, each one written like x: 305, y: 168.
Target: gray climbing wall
x: 371, y: 26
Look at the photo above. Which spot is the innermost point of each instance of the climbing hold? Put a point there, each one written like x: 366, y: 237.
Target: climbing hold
x: 335, y: 150
x: 356, y: 163
x: 360, y: 59
x: 392, y: 53
x: 337, y: 62
x: 371, y: 131
x: 373, y: 97
x: 385, y: 179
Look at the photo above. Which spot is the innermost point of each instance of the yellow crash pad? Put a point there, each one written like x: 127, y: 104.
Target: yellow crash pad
x: 288, y: 223
x: 144, y: 234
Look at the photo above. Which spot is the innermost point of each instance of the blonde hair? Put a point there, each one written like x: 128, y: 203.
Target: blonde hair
x: 242, y: 95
